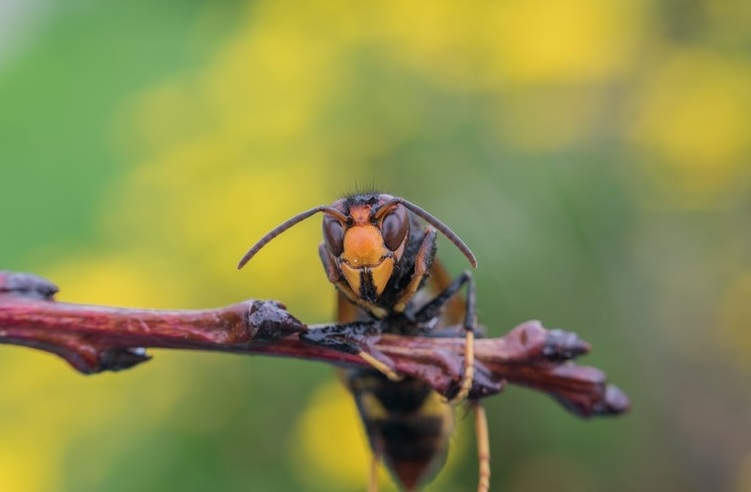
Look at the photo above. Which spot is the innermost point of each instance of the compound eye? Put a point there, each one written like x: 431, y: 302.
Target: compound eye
x: 394, y: 228
x: 333, y: 235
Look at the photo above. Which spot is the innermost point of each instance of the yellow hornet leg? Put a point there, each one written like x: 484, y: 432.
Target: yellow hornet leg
x: 383, y: 368
x: 373, y: 480
x: 469, y: 369
x: 483, y: 448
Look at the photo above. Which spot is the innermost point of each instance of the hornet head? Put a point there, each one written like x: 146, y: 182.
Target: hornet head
x: 366, y: 237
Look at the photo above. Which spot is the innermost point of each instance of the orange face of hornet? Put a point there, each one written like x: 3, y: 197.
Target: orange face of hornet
x: 368, y: 244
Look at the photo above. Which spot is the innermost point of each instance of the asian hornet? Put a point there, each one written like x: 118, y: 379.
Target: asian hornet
x: 379, y: 256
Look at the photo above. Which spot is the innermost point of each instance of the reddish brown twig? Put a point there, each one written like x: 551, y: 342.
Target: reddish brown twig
x: 94, y: 339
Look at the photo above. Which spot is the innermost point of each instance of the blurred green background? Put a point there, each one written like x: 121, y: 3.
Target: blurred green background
x: 595, y: 156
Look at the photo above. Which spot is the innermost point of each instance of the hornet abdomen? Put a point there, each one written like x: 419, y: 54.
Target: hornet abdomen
x: 408, y: 424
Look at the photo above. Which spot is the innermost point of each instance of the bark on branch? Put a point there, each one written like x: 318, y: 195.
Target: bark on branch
x: 95, y: 339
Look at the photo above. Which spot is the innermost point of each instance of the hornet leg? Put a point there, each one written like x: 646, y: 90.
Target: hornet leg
x: 373, y: 479
x: 483, y: 447
x: 432, y: 309
x: 423, y: 262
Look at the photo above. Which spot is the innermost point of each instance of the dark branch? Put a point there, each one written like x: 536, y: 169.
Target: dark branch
x: 95, y: 339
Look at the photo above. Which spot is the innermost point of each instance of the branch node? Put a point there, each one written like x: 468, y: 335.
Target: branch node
x: 563, y: 345
x: 615, y: 402
x: 27, y: 285
x: 117, y: 359
x: 269, y: 321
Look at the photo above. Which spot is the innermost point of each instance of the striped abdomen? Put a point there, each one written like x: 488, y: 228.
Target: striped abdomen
x: 408, y: 424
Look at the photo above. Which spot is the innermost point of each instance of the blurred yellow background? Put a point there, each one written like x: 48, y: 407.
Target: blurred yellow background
x: 595, y: 156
